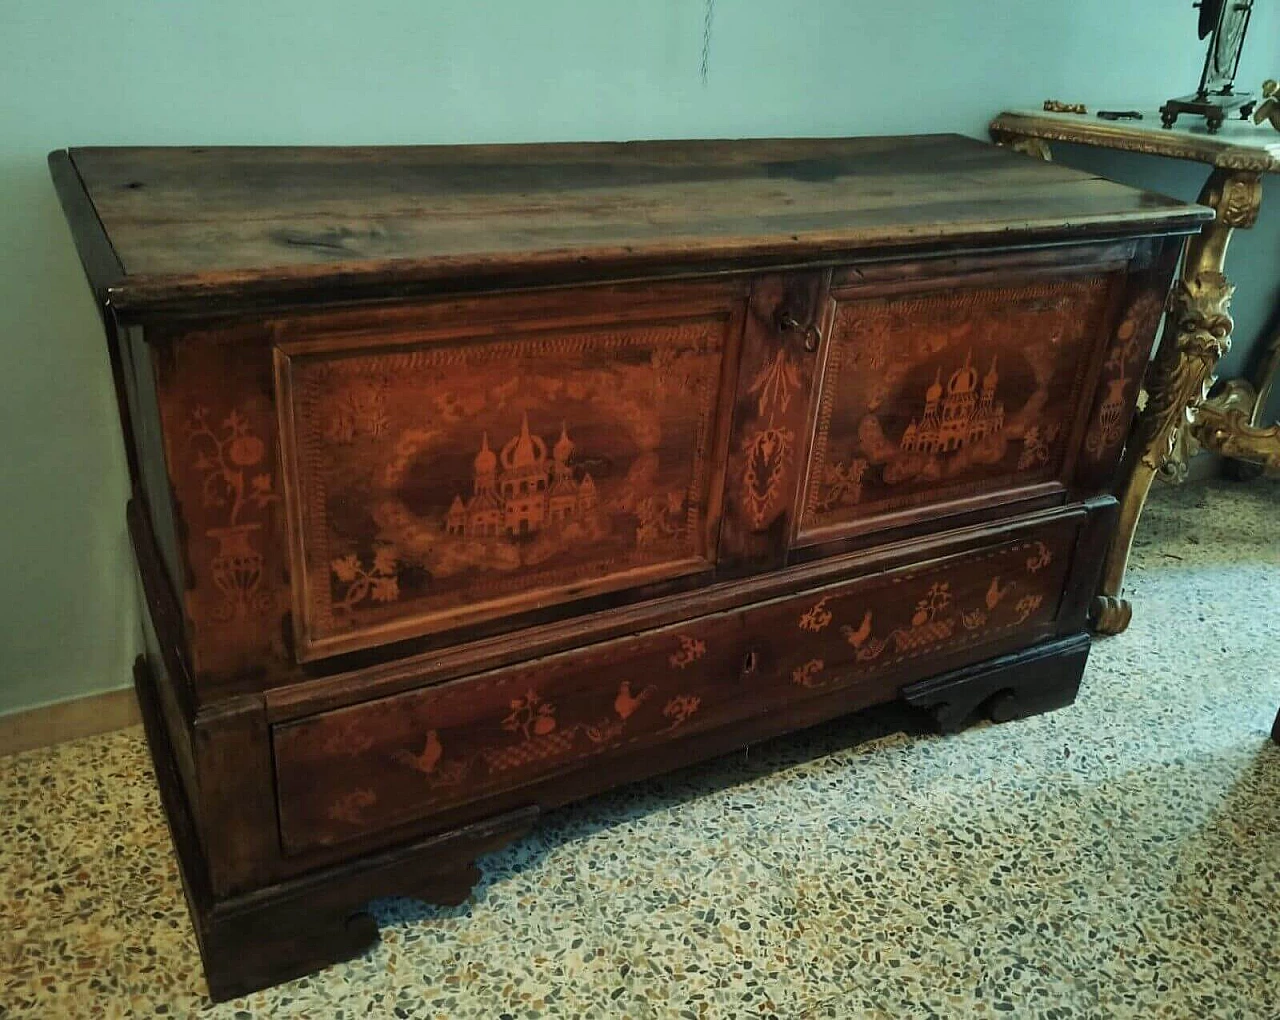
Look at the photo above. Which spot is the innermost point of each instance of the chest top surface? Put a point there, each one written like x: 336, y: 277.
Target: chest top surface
x: 198, y: 224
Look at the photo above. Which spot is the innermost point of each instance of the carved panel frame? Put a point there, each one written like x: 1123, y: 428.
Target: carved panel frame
x: 919, y: 287
x: 718, y: 321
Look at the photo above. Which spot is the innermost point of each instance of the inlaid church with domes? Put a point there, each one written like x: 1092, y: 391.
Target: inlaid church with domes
x: 520, y: 490
x: 964, y: 414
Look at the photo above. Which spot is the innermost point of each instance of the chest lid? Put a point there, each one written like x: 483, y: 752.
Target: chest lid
x: 190, y: 228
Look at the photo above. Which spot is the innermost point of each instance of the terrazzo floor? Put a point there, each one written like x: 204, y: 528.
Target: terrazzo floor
x: 1120, y: 858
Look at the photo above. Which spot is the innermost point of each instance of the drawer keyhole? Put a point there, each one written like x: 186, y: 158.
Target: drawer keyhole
x: 749, y: 663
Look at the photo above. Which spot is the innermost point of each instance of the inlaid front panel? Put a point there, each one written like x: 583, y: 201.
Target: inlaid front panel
x: 435, y: 483
x: 370, y: 766
x: 930, y: 398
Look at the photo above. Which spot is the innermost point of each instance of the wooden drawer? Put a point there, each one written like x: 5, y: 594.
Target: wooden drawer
x: 356, y: 770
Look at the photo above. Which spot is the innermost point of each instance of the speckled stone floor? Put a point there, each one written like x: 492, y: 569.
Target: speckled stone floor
x: 1120, y: 858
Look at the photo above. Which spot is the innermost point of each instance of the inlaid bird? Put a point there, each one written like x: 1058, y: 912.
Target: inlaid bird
x: 427, y: 760
x: 995, y: 593
x: 626, y: 703
x: 858, y: 637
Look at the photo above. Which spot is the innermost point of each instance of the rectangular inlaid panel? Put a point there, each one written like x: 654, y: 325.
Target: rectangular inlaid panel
x: 435, y: 483
x: 929, y: 398
x: 367, y: 767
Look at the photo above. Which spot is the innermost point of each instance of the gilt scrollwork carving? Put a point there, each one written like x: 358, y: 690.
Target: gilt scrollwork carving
x: 1227, y: 431
x: 1183, y: 371
x: 1025, y: 144
x: 1240, y: 199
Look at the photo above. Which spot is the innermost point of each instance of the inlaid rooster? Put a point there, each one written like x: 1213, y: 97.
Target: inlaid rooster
x: 995, y: 593
x: 626, y: 703
x: 426, y: 761
x: 857, y: 638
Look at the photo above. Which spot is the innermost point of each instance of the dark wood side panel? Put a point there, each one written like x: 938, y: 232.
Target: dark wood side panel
x: 218, y: 423
x: 372, y: 766
x: 221, y: 754
x: 153, y: 480
x: 1128, y: 350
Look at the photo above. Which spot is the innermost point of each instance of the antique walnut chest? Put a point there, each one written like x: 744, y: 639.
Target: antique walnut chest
x: 468, y: 481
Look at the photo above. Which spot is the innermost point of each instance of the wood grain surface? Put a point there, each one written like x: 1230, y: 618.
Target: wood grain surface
x: 216, y: 223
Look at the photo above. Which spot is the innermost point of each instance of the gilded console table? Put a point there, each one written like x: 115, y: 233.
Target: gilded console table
x: 1180, y: 416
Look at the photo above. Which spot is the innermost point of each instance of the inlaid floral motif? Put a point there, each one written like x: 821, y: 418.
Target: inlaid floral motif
x: 351, y: 807
x: 817, y: 617
x: 1037, y: 446
x: 377, y: 582
x: 229, y: 456
x: 1039, y: 559
x: 974, y: 619
x: 660, y: 520
x: 691, y: 650
x: 1027, y: 605
x: 806, y: 675
x: 531, y: 716
x: 769, y: 450
x: 775, y: 384
x: 842, y: 484
x: 768, y: 455
x: 680, y: 710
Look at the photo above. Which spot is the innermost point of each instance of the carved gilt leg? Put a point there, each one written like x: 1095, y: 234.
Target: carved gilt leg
x: 1197, y: 333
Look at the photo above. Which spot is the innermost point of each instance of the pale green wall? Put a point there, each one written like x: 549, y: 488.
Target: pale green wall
x: 88, y: 72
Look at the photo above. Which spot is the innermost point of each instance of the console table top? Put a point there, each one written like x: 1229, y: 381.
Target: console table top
x: 1239, y: 145
x: 166, y: 226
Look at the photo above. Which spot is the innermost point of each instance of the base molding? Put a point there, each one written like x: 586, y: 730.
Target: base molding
x: 303, y: 924
x: 1039, y: 679
x: 320, y: 917
x: 56, y: 723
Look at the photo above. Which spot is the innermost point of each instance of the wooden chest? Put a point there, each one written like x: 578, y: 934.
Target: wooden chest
x: 471, y: 480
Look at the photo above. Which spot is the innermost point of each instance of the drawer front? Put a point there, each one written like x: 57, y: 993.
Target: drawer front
x: 439, y: 478
x: 951, y: 397
x: 356, y: 770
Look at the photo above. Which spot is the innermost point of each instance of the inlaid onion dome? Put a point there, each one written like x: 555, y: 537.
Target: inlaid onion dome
x: 525, y: 450
x: 934, y: 393
x: 965, y: 379
x: 563, y: 449
x: 486, y: 460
